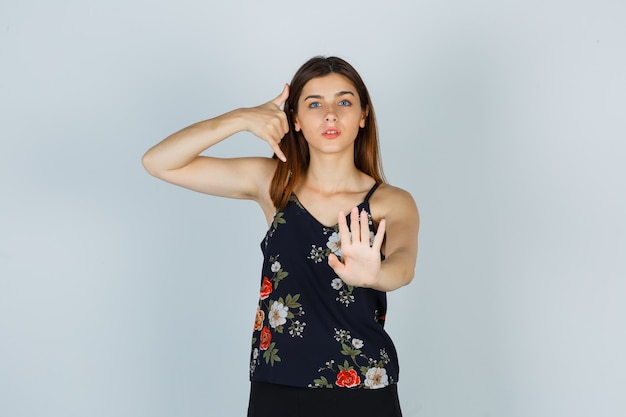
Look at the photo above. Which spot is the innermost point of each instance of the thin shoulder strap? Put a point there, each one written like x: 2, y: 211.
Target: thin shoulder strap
x: 370, y: 192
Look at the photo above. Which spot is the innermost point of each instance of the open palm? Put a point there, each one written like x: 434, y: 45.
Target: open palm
x: 360, y: 258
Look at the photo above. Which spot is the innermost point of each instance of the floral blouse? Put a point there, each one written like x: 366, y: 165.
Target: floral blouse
x: 311, y: 329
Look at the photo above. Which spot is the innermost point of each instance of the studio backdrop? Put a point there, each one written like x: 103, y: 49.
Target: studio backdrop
x: 124, y: 296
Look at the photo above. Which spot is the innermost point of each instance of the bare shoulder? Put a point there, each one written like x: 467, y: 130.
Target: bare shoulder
x: 389, y: 202
x: 402, y: 223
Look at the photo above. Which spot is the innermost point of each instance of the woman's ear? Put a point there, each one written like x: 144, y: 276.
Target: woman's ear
x: 364, y: 115
x: 296, y: 124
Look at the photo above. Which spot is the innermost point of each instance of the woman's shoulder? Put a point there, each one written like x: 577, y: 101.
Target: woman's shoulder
x: 389, y: 199
x: 387, y: 191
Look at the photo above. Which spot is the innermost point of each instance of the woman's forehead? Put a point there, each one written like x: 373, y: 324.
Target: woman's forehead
x: 329, y: 84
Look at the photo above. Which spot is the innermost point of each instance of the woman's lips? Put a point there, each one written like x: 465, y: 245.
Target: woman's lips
x: 331, y: 133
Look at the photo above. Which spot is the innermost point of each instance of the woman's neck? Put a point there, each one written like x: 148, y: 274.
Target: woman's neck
x: 329, y: 175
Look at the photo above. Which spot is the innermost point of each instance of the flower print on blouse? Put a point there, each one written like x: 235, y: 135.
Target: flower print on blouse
x: 357, y: 369
x: 277, y: 312
x: 340, y: 342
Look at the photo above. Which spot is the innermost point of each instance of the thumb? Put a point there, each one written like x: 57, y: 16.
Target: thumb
x: 282, y: 97
x: 335, y: 263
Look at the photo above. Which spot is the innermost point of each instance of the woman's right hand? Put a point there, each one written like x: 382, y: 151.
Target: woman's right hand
x: 177, y: 158
x: 269, y: 122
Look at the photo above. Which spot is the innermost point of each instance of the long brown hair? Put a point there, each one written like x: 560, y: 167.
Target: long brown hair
x: 295, y: 147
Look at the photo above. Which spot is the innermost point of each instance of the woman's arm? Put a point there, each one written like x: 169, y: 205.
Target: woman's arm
x: 398, y: 228
x: 177, y: 158
x: 402, y: 227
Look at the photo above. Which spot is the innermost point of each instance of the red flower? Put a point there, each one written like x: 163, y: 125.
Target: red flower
x: 348, y: 379
x: 265, y: 339
x: 266, y: 288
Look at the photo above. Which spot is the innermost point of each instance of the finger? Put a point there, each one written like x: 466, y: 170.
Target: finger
x: 354, y: 224
x: 278, y: 127
x: 335, y: 263
x: 277, y: 136
x: 380, y: 235
x: 284, y: 124
x: 365, y: 227
x: 279, y: 152
x: 344, y: 232
x: 282, y: 97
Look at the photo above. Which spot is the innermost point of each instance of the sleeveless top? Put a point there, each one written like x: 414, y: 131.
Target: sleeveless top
x: 312, y: 329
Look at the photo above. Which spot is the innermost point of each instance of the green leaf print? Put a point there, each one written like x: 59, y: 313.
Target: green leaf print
x: 279, y: 276
x: 346, y: 366
x: 292, y: 301
x: 293, y: 198
x: 322, y: 383
x: 278, y: 219
x: 271, y: 354
x: 350, y: 351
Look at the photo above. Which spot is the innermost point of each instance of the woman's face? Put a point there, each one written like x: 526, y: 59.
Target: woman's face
x: 329, y: 113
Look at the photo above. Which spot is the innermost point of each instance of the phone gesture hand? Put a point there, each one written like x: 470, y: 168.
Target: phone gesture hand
x: 269, y: 122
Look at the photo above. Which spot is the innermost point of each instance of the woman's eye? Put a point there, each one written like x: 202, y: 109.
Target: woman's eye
x: 344, y: 103
x: 314, y: 105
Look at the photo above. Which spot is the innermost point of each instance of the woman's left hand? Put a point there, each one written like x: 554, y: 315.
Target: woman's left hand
x: 360, y: 262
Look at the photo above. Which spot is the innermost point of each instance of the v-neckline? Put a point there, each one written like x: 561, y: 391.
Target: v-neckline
x: 336, y: 225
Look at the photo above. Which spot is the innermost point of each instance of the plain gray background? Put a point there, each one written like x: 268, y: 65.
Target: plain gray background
x: 122, y: 296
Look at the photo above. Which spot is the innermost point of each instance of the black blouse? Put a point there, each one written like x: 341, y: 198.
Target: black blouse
x: 311, y: 329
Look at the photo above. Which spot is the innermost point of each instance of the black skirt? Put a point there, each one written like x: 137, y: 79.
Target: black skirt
x: 271, y: 400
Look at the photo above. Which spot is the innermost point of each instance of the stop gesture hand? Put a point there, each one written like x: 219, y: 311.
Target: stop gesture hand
x: 360, y: 262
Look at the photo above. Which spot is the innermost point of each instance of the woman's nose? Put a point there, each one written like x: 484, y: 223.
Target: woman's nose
x: 330, y: 117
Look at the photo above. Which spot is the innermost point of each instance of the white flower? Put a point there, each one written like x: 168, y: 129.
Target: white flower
x: 278, y: 314
x: 357, y: 343
x: 275, y: 266
x: 345, y: 298
x: 296, y: 328
x: 337, y: 283
x: 384, y: 356
x: 376, y: 378
x: 317, y: 254
x: 255, y: 353
x: 342, y: 335
x: 334, y: 243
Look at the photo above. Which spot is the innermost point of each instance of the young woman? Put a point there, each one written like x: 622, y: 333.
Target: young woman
x: 339, y: 238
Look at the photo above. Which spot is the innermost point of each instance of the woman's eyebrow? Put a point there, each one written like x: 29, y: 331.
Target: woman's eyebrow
x: 339, y: 94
